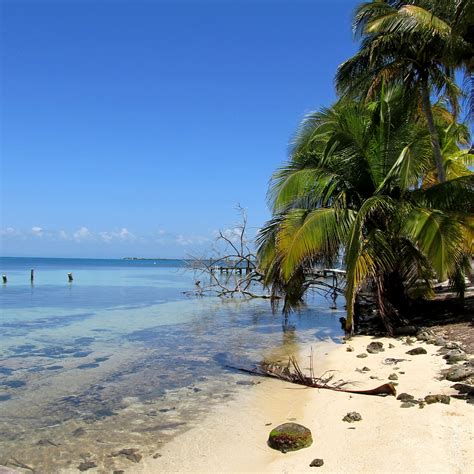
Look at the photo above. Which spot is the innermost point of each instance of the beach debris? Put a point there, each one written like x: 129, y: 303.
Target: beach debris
x: 362, y: 356
x: 79, y: 432
x: 316, y: 463
x: 246, y: 382
x: 392, y: 361
x: 291, y: 372
x: 393, y: 377
x: 132, y: 454
x: 16, y: 463
x: 375, y: 348
x: 86, y: 465
x: 47, y: 442
x: 417, y: 351
x: 290, y: 437
x: 429, y: 399
x: 352, y: 417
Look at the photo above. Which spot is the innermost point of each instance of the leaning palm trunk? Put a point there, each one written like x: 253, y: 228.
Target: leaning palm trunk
x: 426, y: 103
x: 388, y: 312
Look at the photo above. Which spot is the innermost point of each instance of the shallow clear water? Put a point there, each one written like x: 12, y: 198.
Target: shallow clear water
x: 121, y: 358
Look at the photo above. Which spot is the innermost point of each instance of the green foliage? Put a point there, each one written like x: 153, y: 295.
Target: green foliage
x: 359, y: 185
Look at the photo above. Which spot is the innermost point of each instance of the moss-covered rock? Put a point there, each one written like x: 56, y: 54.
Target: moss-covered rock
x: 290, y: 437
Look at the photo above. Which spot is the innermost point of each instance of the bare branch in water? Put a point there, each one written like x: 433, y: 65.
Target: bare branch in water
x: 241, y: 277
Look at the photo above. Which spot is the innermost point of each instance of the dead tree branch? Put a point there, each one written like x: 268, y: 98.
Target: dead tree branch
x: 232, y: 269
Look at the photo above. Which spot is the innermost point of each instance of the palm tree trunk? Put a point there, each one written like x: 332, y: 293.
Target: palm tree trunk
x: 426, y: 103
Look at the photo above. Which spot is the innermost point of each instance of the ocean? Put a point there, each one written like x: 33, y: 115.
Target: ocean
x: 123, y: 356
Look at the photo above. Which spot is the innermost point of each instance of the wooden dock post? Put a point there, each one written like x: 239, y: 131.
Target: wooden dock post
x: 4, y: 279
x: 69, y: 277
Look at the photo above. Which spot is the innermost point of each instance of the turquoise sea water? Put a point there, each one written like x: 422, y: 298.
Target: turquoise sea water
x: 121, y: 357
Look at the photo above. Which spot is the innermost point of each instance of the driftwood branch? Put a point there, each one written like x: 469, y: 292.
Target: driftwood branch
x: 292, y: 373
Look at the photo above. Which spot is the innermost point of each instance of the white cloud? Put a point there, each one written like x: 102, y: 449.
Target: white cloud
x: 10, y: 232
x: 63, y: 235
x: 123, y: 234
x: 82, y: 234
x: 37, y: 231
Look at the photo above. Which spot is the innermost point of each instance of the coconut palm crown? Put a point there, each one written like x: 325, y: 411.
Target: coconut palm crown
x: 360, y: 185
x: 417, y: 43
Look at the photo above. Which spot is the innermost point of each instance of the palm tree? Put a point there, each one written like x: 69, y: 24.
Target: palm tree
x: 358, y: 185
x: 419, y: 44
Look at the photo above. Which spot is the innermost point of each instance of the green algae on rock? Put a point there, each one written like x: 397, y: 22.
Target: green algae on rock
x: 290, y: 437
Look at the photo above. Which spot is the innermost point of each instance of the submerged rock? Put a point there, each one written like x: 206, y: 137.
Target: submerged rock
x: 130, y: 453
x: 375, y: 348
x: 417, y: 351
x: 84, y: 466
x: 316, y: 463
x: 290, y: 437
x: 79, y: 432
x: 352, y: 416
x: 362, y: 356
x: 393, y: 377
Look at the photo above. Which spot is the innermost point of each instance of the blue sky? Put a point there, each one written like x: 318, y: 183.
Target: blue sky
x: 136, y: 127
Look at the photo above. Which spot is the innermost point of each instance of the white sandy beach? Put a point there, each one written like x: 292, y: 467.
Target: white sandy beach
x: 437, y: 438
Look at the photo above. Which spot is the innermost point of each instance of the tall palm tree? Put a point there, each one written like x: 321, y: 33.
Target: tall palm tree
x: 357, y: 185
x: 417, y: 43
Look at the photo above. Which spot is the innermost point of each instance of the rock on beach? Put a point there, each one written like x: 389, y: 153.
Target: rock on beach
x: 290, y: 437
